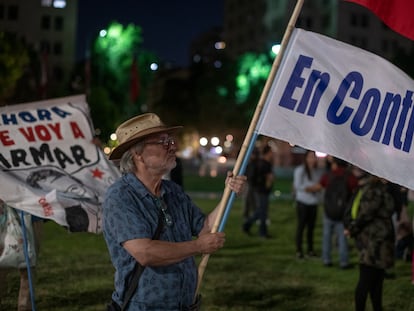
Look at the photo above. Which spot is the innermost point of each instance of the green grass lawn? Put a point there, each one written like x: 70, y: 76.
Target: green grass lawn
x: 74, y: 271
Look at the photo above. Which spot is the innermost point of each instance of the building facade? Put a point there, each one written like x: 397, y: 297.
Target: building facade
x: 254, y: 26
x: 49, y: 28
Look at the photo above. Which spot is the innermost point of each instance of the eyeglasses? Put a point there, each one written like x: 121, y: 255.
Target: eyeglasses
x: 166, y: 142
x: 168, y: 221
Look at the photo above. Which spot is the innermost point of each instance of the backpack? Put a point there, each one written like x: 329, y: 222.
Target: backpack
x: 336, y: 197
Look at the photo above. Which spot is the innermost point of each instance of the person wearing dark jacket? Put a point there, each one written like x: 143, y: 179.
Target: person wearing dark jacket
x: 369, y: 222
x: 262, y: 186
x: 339, y: 169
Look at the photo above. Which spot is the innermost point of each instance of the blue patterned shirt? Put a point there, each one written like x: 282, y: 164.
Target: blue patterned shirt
x: 130, y: 212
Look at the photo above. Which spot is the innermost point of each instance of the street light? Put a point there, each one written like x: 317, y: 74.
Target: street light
x: 203, y: 141
x: 214, y: 141
x: 276, y: 49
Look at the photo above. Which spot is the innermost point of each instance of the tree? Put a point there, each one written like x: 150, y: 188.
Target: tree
x: 112, y: 56
x: 226, y: 94
x: 253, y: 71
x: 230, y: 93
x: 13, y: 60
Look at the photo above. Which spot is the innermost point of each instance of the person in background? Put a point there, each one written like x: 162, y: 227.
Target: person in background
x: 369, y: 222
x: 249, y: 203
x: 304, y: 176
x: 262, y: 183
x: 401, y: 220
x: 338, y: 168
x: 176, y: 174
x: 141, y: 199
x: 404, y: 242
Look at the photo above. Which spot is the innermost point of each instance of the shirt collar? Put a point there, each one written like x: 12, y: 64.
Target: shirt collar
x: 132, y: 180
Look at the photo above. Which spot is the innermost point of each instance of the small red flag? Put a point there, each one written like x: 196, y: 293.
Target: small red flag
x: 396, y: 14
x: 134, y: 83
x: 43, y: 79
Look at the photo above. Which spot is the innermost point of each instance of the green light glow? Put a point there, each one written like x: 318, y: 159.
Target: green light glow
x: 222, y: 91
x: 118, y: 46
x: 253, y: 72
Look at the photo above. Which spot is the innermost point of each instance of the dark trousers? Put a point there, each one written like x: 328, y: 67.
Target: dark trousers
x: 306, y: 218
x: 370, y: 282
x: 249, y: 203
x: 260, y: 213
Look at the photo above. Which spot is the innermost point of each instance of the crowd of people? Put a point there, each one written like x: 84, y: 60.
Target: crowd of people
x: 356, y: 207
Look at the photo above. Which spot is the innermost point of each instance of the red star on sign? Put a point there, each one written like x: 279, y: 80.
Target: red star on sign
x: 97, y: 173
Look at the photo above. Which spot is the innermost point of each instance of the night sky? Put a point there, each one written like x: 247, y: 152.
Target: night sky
x: 167, y: 26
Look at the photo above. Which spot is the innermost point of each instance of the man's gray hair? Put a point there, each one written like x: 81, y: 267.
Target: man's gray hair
x: 126, y: 164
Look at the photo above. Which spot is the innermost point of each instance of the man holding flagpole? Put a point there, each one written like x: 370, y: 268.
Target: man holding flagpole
x: 140, y: 202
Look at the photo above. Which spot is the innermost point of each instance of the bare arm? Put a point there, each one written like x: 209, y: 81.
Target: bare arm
x: 314, y: 188
x: 150, y: 252
x: 159, y: 253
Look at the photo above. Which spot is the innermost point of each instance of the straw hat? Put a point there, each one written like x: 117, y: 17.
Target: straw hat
x: 133, y: 130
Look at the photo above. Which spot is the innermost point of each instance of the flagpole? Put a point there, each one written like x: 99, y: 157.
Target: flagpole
x: 242, y: 158
x: 243, y: 166
x: 27, y: 259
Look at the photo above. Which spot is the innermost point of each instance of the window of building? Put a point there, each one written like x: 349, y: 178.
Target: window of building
x: 299, y: 22
x: 353, y: 40
x: 45, y: 46
x: 354, y: 20
x: 57, y: 48
x: 363, y: 43
x: 58, y: 73
x: 1, y: 11
x: 13, y: 13
x: 309, y: 5
x: 252, y: 33
x: 309, y: 23
x: 46, y: 3
x: 395, y: 46
x: 326, y: 21
x: 57, y: 4
x: 45, y: 22
x: 59, y: 23
x: 384, y: 46
x: 364, y: 20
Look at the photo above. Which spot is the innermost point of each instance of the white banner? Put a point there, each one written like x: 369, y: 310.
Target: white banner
x: 335, y: 98
x: 49, y: 166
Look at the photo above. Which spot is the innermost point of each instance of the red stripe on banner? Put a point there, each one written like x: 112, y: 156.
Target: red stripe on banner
x: 397, y: 14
